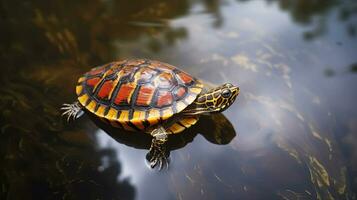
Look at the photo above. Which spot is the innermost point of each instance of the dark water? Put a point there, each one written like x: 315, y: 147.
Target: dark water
x: 292, y: 133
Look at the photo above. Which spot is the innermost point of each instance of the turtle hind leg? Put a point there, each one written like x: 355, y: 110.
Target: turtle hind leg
x: 72, y: 111
x: 158, y: 155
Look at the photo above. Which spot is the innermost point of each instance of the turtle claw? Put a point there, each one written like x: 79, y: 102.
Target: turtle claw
x: 160, y: 163
x: 164, y: 163
x: 73, y: 111
x: 158, y: 156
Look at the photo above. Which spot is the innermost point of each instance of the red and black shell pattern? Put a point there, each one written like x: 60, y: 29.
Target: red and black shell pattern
x: 136, y: 94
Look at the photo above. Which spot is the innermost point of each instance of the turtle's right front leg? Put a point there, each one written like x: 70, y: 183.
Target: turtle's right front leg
x: 73, y: 110
x: 158, y: 154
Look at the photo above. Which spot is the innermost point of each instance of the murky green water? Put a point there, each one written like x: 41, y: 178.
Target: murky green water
x: 292, y: 133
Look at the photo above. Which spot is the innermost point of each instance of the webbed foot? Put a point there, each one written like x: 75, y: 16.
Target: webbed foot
x: 158, y: 155
x: 73, y: 111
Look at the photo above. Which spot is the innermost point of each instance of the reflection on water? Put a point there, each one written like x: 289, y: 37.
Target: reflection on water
x: 216, y: 129
x: 293, y: 60
x: 62, y: 163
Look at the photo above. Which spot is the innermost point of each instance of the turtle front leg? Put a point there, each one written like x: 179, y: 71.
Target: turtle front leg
x: 158, y: 154
x: 73, y: 110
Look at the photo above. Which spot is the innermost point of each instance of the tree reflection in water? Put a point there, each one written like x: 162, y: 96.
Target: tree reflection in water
x: 41, y: 158
x: 316, y: 14
x: 41, y: 46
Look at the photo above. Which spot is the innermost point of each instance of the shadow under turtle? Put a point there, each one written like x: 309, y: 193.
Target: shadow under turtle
x: 215, y: 128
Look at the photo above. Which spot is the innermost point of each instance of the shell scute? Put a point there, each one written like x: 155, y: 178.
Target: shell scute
x: 167, y: 113
x: 105, y: 89
x: 145, y: 95
x: 162, y: 66
x: 185, y: 78
x: 97, y: 71
x: 164, y: 99
x: 145, y: 75
x: 124, y: 94
x: 164, y: 80
x: 137, y: 93
x: 179, y: 92
x: 93, y: 81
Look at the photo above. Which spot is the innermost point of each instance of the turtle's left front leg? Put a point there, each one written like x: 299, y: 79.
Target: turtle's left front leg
x: 158, y: 154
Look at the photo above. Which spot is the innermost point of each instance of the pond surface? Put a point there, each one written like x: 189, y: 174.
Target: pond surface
x: 291, y: 134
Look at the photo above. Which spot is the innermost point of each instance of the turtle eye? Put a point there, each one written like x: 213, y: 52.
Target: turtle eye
x: 226, y: 93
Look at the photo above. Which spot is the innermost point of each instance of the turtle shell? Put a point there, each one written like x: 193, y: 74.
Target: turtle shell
x: 136, y: 94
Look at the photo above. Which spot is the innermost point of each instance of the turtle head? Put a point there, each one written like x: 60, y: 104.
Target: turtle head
x: 215, y: 100
x: 223, y: 97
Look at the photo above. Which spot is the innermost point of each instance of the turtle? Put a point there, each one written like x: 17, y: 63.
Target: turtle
x: 148, y: 96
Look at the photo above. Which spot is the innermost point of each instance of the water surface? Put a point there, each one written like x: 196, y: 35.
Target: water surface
x: 291, y: 134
